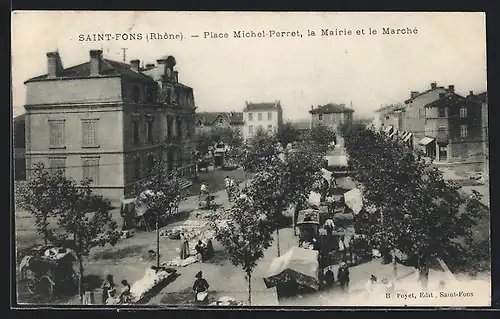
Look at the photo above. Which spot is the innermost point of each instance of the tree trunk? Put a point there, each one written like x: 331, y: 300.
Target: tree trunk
x: 80, y: 278
x: 157, y: 243
x: 249, y: 279
x: 278, y: 240
x: 45, y: 230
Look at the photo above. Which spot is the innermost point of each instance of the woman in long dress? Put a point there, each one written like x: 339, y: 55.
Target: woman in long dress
x: 184, y: 247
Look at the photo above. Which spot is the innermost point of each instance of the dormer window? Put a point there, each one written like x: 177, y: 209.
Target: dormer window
x: 463, y: 112
x: 135, y: 94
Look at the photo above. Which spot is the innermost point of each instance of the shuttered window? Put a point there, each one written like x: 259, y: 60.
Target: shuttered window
x: 91, y: 170
x: 89, y: 133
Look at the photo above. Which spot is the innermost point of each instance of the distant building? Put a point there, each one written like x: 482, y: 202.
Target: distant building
x: 331, y: 115
x: 19, y: 148
x: 303, y: 127
x: 205, y: 121
x: 391, y: 116
x: 483, y: 98
x: 109, y: 121
x: 265, y: 116
x: 453, y: 129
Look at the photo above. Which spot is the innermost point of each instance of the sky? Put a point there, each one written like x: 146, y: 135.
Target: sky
x: 365, y: 70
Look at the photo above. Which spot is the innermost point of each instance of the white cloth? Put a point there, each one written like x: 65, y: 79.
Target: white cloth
x: 354, y: 200
x: 227, y: 182
x: 203, y: 188
x: 314, y: 199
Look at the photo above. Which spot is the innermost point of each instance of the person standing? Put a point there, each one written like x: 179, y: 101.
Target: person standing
x: 125, y: 296
x: 106, y: 287
x: 200, y: 286
x: 329, y: 278
x: 227, y: 184
x: 88, y: 295
x: 343, y: 276
x: 184, y: 247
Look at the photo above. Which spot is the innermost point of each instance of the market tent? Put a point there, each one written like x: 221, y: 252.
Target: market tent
x: 354, y: 200
x: 298, y: 264
x: 326, y: 174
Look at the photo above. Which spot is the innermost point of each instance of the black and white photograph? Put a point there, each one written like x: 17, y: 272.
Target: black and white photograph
x: 250, y: 159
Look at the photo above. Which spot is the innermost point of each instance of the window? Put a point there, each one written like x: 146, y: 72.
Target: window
x: 179, y: 128
x: 221, y: 120
x: 250, y: 116
x: 269, y: 128
x: 441, y: 111
x: 89, y: 133
x: 443, y: 152
x: 91, y: 170
x: 150, y: 94
x: 269, y: 116
x: 151, y: 162
x: 320, y: 117
x: 463, y: 112
x: 56, y: 128
x: 135, y: 128
x: 387, y: 117
x: 57, y: 164
x: 463, y: 130
x: 250, y: 129
x: 259, y: 116
x: 149, y: 130
x: 260, y: 127
x: 137, y: 167
x: 135, y: 94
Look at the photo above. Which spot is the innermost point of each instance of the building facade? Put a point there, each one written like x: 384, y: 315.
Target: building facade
x: 390, y: 116
x: 206, y: 121
x: 453, y: 129
x: 19, y: 148
x: 483, y: 99
x: 264, y: 116
x: 108, y: 121
x: 331, y: 115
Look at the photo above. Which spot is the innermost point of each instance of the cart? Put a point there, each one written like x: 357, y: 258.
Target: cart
x: 48, y: 271
x: 135, y: 215
x: 308, y: 221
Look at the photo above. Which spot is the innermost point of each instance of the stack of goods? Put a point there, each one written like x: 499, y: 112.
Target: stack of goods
x: 228, y: 301
x: 178, y: 262
x: 144, y: 285
x: 203, y: 214
x: 190, y: 228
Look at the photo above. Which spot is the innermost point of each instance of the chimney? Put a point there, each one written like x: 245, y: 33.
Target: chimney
x: 95, y: 62
x: 134, y: 65
x: 471, y: 93
x: 451, y: 88
x: 53, y: 68
x: 413, y: 94
x: 433, y: 85
x: 176, y: 76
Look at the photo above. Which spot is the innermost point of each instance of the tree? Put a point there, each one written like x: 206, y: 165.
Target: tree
x: 228, y: 135
x: 244, y: 233
x: 287, y: 134
x: 161, y: 194
x: 41, y: 196
x: 258, y: 151
x: 420, y: 214
x: 323, y: 136
x: 203, y: 141
x: 86, y: 221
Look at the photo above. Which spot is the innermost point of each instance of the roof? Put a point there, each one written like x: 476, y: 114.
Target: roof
x: 423, y: 93
x: 208, y: 118
x: 108, y: 68
x: 19, y: 118
x: 391, y: 107
x: 156, y: 73
x: 302, y: 125
x: 331, y: 108
x: 265, y: 106
x: 440, y: 101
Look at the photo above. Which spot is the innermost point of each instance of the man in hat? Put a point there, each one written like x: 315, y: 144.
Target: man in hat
x: 200, y: 285
x: 343, y: 276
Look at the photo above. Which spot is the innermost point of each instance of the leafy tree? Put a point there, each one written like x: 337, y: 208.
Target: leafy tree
x: 203, y: 141
x: 161, y: 194
x: 420, y: 214
x: 86, y: 221
x: 228, y: 135
x: 287, y: 134
x: 41, y: 196
x: 245, y: 235
x: 259, y: 151
x: 323, y: 136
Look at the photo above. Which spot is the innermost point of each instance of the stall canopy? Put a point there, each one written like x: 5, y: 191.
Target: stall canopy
x: 326, y: 174
x: 298, y: 264
x: 425, y: 141
x: 393, y: 133
x: 407, y: 137
x: 388, y: 129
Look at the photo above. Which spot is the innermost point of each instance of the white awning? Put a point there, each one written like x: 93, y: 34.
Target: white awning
x: 425, y: 141
x: 403, y: 134
x: 393, y: 133
x: 407, y: 137
x: 388, y: 129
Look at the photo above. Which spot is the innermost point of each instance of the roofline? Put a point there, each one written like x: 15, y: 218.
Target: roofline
x: 331, y: 112
x: 74, y: 78
x: 442, y: 98
x: 425, y: 92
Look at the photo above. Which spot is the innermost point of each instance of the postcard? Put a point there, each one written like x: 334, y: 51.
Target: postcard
x: 245, y: 159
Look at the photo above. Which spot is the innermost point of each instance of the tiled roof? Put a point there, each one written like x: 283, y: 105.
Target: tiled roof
x: 208, y: 118
x: 108, y: 68
x: 439, y: 101
x: 266, y: 106
x: 331, y: 108
x: 423, y: 93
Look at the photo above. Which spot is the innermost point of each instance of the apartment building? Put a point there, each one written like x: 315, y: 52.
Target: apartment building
x: 331, y: 115
x: 109, y: 121
x: 206, y: 121
x: 265, y: 116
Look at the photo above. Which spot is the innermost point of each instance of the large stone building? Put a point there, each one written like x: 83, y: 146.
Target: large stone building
x: 109, y: 121
x: 206, y: 121
x: 390, y: 116
x: 19, y: 148
x: 331, y: 115
x: 453, y: 130
x: 265, y: 116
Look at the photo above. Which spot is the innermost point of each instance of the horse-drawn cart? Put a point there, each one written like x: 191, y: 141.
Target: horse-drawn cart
x: 49, y: 271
